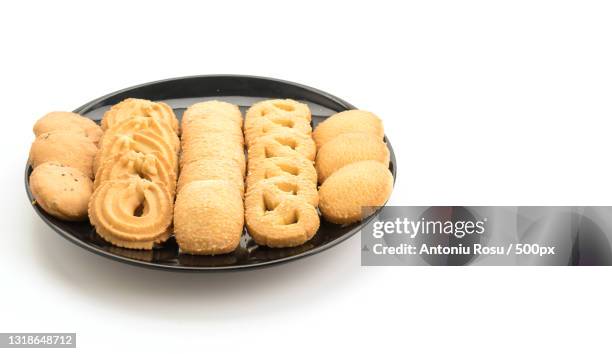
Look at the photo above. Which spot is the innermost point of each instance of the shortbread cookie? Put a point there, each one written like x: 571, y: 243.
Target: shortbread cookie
x: 281, y: 166
x: 64, y: 147
x: 208, y: 217
x: 144, y: 141
x: 215, y: 125
x: 212, y: 169
x: 131, y: 212
x: 280, y: 211
x: 212, y: 109
x: 347, y: 122
x: 348, y: 148
x: 139, y: 124
x: 132, y: 163
x: 257, y: 128
x: 275, y: 189
x: 277, y: 108
x: 213, y: 146
x: 61, y: 191
x: 68, y: 121
x: 286, y: 143
x: 355, y: 191
x: 135, y: 107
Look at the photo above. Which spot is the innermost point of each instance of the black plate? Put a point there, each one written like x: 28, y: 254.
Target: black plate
x: 181, y: 93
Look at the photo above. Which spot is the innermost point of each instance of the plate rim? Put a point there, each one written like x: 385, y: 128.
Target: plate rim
x: 204, y: 269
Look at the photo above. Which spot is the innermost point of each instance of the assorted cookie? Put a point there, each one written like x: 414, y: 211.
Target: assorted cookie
x: 136, y: 168
x: 281, y: 198
x: 352, y: 166
x: 150, y: 184
x: 209, y: 210
x: 62, y: 160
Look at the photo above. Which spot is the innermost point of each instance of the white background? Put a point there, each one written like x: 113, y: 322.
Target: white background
x: 485, y: 102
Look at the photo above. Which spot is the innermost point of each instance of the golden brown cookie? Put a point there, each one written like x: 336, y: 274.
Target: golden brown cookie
x: 256, y: 128
x: 280, y: 211
x: 145, y: 141
x: 131, y: 212
x: 212, y: 169
x: 138, y: 124
x: 213, y: 146
x: 64, y: 147
x: 61, y: 191
x: 286, y: 143
x: 132, y: 163
x: 355, y: 191
x: 68, y: 121
x: 279, y: 166
x: 277, y: 108
x: 351, y: 121
x: 348, y: 148
x: 212, y: 109
x: 208, y: 217
x: 200, y: 127
x: 135, y: 107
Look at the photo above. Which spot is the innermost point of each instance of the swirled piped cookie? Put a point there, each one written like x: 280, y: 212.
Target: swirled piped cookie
x: 148, y: 166
x: 150, y: 124
x: 135, y: 107
x: 131, y: 212
x: 144, y: 141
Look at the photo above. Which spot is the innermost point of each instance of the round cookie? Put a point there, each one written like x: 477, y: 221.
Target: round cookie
x: 363, y: 184
x: 212, y: 169
x: 68, y: 121
x: 348, y: 148
x: 61, y: 191
x: 347, y: 122
x: 208, y: 217
x: 64, y: 147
